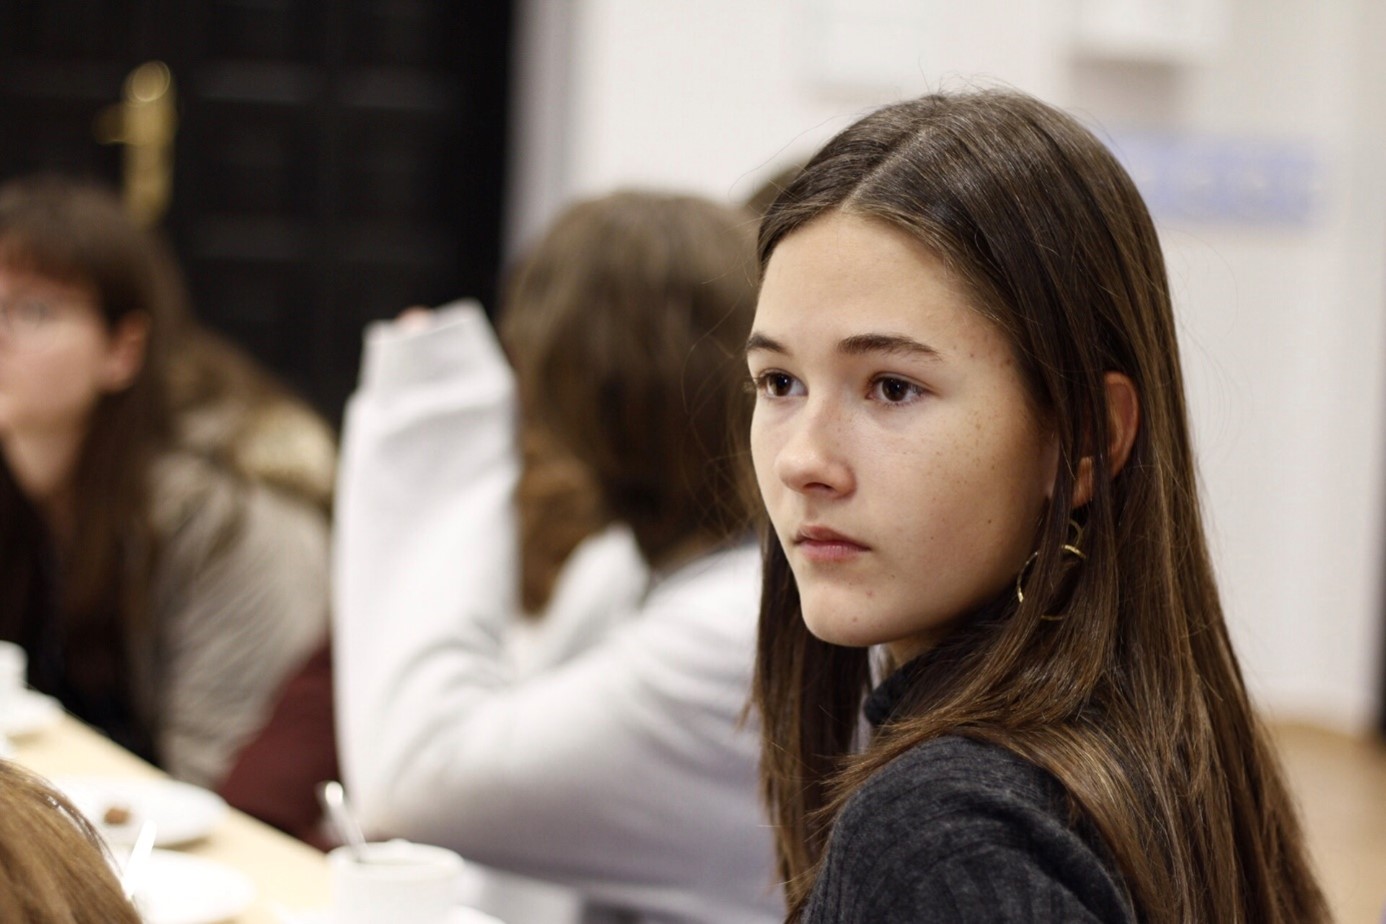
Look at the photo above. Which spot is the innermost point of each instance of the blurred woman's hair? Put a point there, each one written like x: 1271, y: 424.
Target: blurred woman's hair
x: 627, y: 324
x: 54, y: 868
x: 559, y: 505
x: 1132, y: 698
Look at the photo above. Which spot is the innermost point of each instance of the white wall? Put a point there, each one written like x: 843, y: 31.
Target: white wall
x: 1284, y: 323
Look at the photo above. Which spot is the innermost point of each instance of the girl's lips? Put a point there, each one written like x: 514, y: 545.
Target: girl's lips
x: 825, y: 545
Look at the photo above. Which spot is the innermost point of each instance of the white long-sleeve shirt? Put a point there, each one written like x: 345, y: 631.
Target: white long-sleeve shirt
x: 624, y: 771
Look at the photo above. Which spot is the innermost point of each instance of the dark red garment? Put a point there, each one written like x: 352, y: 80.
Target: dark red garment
x: 275, y: 776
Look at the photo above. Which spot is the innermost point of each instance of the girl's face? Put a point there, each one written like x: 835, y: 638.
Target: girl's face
x: 901, y: 464
x: 57, y: 357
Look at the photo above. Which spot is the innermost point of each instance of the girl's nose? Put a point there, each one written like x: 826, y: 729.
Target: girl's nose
x: 814, y: 456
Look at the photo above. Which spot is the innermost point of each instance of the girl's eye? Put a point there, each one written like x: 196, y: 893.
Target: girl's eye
x: 777, y: 385
x: 895, y: 391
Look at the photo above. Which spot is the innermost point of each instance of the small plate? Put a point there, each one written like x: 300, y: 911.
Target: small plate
x: 118, y: 806
x: 178, y: 888
x: 28, y: 713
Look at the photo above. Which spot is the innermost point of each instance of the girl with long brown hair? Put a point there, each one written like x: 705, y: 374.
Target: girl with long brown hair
x: 971, y: 438
x: 162, y: 593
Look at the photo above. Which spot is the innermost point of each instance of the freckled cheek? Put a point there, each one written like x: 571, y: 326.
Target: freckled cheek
x: 1013, y: 508
x: 762, y: 460
x: 772, y: 490
x: 928, y: 490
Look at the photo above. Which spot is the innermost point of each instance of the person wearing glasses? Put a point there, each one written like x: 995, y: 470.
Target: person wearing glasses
x: 162, y: 593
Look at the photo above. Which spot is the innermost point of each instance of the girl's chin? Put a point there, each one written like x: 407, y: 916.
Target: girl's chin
x: 839, y: 622
x: 833, y: 630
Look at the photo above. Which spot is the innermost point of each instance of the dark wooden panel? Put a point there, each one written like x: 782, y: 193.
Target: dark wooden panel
x: 407, y: 33
x: 49, y: 109
x: 253, y: 160
x: 74, y: 29
x: 335, y: 162
x: 263, y: 30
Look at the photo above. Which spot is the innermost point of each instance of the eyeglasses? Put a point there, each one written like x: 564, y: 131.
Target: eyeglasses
x: 27, y: 319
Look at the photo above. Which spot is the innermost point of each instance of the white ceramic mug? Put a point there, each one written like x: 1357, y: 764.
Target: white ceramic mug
x: 13, y: 666
x: 394, y: 881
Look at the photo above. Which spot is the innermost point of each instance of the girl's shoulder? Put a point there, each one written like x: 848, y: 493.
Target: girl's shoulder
x: 954, y: 815
x: 958, y: 765
x: 729, y: 572
x: 277, y: 441
x: 714, y: 598
x: 968, y: 783
x: 200, y: 510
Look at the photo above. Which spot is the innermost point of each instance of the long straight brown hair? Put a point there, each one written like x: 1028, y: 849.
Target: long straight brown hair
x: 626, y: 322
x: 1133, y: 699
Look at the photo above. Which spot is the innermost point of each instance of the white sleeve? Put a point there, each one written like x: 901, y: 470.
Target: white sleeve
x: 624, y: 772
x: 602, y: 582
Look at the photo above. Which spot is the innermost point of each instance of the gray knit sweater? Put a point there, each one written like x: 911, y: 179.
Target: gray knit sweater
x: 957, y: 830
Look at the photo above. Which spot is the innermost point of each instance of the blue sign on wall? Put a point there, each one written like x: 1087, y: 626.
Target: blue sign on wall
x: 1225, y: 180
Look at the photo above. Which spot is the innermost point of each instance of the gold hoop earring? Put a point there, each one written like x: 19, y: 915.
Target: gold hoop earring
x: 1020, y: 578
x: 1071, y: 547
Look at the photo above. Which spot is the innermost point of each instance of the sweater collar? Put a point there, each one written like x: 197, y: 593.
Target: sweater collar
x: 882, y: 703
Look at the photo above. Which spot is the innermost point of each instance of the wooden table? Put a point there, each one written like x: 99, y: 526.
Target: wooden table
x: 285, y: 871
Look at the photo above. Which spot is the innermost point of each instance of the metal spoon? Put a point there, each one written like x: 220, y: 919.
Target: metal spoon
x: 334, y: 802
x: 133, y: 870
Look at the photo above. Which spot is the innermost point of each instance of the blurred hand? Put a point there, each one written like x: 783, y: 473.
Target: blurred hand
x: 414, y: 318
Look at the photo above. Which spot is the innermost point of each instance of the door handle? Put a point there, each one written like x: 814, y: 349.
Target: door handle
x: 145, y: 121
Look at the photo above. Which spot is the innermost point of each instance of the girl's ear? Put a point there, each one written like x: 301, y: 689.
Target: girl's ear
x: 1123, y: 420
x: 125, y: 352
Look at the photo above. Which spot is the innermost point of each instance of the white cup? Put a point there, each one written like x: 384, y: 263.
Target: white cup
x: 394, y: 881
x: 13, y: 665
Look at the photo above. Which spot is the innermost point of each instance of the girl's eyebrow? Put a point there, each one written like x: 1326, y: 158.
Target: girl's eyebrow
x: 887, y: 343
x: 855, y: 345
x: 760, y: 342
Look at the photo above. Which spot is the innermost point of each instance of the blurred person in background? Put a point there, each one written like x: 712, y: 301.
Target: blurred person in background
x: 615, y: 759
x: 163, y: 503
